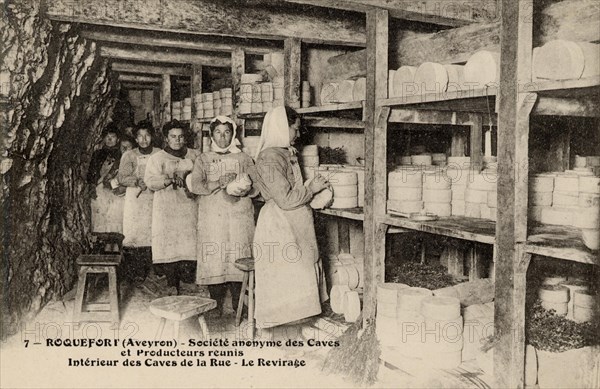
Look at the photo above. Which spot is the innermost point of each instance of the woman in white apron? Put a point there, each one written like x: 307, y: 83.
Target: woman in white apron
x: 225, y: 212
x: 137, y: 213
x: 174, y: 213
x: 107, y: 202
x: 289, y: 280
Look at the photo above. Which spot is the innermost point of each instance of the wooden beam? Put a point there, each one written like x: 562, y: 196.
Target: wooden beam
x: 419, y: 116
x: 128, y: 67
x: 376, y: 119
x: 128, y: 37
x: 196, y: 89
x: 291, y: 73
x: 332, y: 122
x: 165, y: 99
x: 238, y: 67
x: 218, y: 18
x: 136, y: 78
x: 476, y: 137
x: 556, y: 106
x: 162, y: 56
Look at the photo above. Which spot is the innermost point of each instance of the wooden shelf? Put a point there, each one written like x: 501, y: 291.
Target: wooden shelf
x: 560, y: 242
x: 332, y: 107
x: 350, y: 213
x: 476, y: 230
x: 255, y: 115
x: 473, y: 100
x: 567, y: 88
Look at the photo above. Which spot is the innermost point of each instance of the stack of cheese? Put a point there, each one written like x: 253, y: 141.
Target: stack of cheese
x: 216, y: 102
x: 565, y: 60
x: 343, y: 91
x: 429, y: 77
x: 581, y: 311
x: 405, y: 190
x: 346, y: 275
x: 575, y: 202
x: 176, y: 110
x: 583, y: 306
x: 266, y: 96
x: 540, y: 191
x: 226, y: 95
x: 278, y: 92
x: 587, y: 164
x: 386, y: 327
x: 437, y: 195
x: 442, y: 332
x: 274, y: 65
x: 360, y: 172
x: 309, y: 161
x: 410, y: 321
x: 458, y: 172
x: 423, y: 160
x: 186, y: 111
x: 555, y: 297
x: 481, y: 195
x: 250, y: 93
x: 344, y: 184
x: 208, y: 105
x: 439, y: 159
x: 250, y: 144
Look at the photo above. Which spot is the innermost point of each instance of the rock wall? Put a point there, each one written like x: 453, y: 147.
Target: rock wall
x: 57, y: 95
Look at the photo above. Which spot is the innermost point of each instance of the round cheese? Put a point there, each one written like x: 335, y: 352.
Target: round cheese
x: 406, y: 178
x: 345, y: 91
x: 346, y: 259
x: 565, y: 199
x: 492, y: 199
x: 557, y: 216
x: 588, y: 184
x: 540, y: 198
x: 476, y: 196
x: 485, y: 212
x: 530, y: 366
x: 584, y: 218
x: 483, y: 68
x: 310, y: 160
x: 588, y: 200
x: 329, y: 93
x: 352, y: 311
x: 353, y: 276
x: 409, y: 299
x: 322, y: 199
x: 593, y: 160
x: 458, y: 208
x: 553, y: 293
x: 339, y: 274
x: 584, y: 299
x: 582, y: 315
x: 421, y: 160
x: 343, y: 191
x: 403, y: 82
x: 359, y: 92
x: 553, y: 280
x: 404, y: 206
x: 574, y: 286
x: 248, y: 78
x: 460, y: 162
x: 591, y: 237
x: 483, y: 182
x: 431, y: 77
x: 405, y: 160
x: 458, y: 193
x: 473, y: 210
x: 388, y: 292
x: 405, y: 194
x: 338, y: 177
x: 437, y: 196
x: 558, y: 60
x: 440, y: 308
x: 541, y: 183
x: 310, y: 150
x: 386, y: 309
x: 566, y: 183
x: 337, y: 296
x: 344, y: 202
x: 561, y: 309
x: 438, y: 157
x: 449, y: 332
x: 580, y: 161
x: 439, y: 209
x: 436, y: 180
x: 534, y: 212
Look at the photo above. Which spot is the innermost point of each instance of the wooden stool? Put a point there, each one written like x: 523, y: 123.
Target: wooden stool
x: 247, y: 266
x: 179, y: 308
x: 96, y: 263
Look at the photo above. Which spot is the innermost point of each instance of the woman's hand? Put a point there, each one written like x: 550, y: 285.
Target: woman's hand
x: 318, y: 184
x: 141, y: 184
x: 225, y: 179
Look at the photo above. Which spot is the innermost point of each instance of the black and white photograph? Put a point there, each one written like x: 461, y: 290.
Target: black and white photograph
x: 300, y: 194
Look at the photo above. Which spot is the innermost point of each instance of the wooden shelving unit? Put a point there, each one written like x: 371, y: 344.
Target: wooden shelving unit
x: 354, y: 105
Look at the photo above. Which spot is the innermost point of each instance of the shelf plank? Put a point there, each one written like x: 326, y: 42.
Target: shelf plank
x: 252, y: 116
x: 473, y: 100
x: 332, y: 107
x: 333, y: 122
x: 350, y: 213
x: 560, y: 242
x: 566, y: 88
x: 476, y: 230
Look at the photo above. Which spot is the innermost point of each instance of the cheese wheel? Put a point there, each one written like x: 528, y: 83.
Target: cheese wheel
x: 409, y: 299
x: 437, y: 196
x: 582, y: 315
x: 565, y: 199
x: 406, y: 178
x: 473, y: 210
x: 492, y: 199
x: 580, y: 161
x: 485, y: 212
x: 249, y: 78
x: 540, y: 198
x: 554, y: 293
x: 353, y: 276
x: 482, y: 68
x: 553, y: 280
x: 343, y: 191
x: 388, y: 292
x: 557, y: 216
x: 541, y: 183
x: 591, y: 54
x: 456, y: 77
x: 226, y: 92
x: 534, y: 212
x: 459, y: 162
x: 439, y: 209
x: 322, y: 199
x: 405, y: 160
x: 339, y: 177
x: 337, y: 296
x: 458, y: 208
x: 329, y: 93
x: 561, y: 309
x: 405, y: 194
x: 359, y: 91
x: 449, y: 291
x: 588, y: 184
x: 438, y: 157
x: 574, y: 286
x: 494, y: 214
x: 339, y: 275
x: 345, y: 91
x: 448, y: 331
x: 591, y: 237
x: 256, y: 107
x: 436, y: 180
x: 391, y: 73
x: 431, y: 77
x: 352, y: 311
x: 386, y: 309
x: 566, y: 183
x: 424, y: 159
x: 476, y: 196
x: 586, y: 218
x: 484, y: 182
x: 558, y: 60
x: 404, y: 206
x: 404, y: 82
x: 310, y: 150
x: 530, y: 366
x: 593, y: 160
x: 346, y: 258
x: 344, y: 202
x: 440, y: 307
x: 458, y: 193
x: 584, y: 299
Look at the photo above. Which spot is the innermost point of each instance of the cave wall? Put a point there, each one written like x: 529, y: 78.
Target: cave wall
x: 57, y: 95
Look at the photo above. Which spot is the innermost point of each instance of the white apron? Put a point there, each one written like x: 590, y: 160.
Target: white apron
x: 174, y: 220
x: 137, y: 214
x: 289, y: 277
x: 107, y: 208
x: 225, y: 230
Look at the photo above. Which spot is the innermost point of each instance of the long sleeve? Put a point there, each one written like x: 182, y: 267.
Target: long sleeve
x: 127, y: 169
x: 154, y: 176
x: 249, y: 168
x: 273, y: 182
x: 197, y: 180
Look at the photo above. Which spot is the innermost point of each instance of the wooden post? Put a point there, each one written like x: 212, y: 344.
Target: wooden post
x: 165, y: 99
x: 511, y: 228
x: 344, y: 235
x: 291, y: 66
x: 476, y: 140
x: 238, y: 67
x: 376, y: 157
x: 196, y: 89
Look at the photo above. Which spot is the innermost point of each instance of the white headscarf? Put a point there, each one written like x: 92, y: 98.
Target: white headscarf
x: 233, y: 146
x: 275, y: 131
